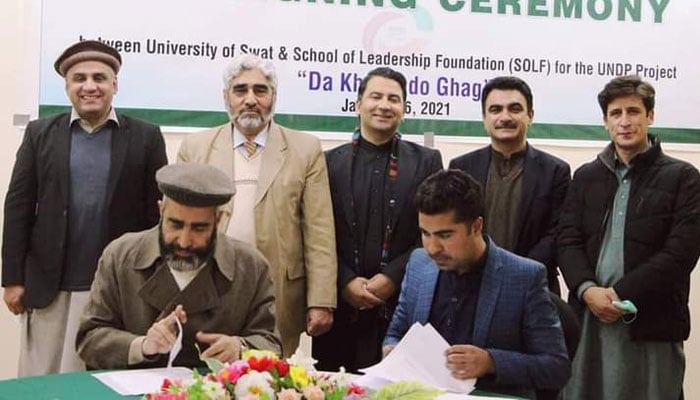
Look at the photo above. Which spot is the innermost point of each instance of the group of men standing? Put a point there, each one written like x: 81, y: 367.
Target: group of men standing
x: 351, y: 246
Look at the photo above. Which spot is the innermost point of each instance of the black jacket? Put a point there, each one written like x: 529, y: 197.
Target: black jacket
x: 417, y: 163
x: 661, y: 242
x: 357, y: 344
x: 36, y: 207
x: 545, y: 182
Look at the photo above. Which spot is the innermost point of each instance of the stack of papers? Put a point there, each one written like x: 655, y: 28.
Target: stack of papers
x: 140, y: 381
x: 419, y: 356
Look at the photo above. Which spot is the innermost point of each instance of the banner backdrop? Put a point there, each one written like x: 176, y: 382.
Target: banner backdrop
x: 175, y: 51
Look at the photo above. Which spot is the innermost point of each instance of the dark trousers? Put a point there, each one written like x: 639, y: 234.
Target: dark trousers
x: 354, y: 342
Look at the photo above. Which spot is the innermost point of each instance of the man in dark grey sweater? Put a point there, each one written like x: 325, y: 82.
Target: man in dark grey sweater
x: 81, y: 179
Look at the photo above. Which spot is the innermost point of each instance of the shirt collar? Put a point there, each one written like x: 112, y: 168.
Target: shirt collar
x: 480, y: 264
x: 89, y: 129
x: 515, y: 156
x: 239, y: 138
x: 379, y: 148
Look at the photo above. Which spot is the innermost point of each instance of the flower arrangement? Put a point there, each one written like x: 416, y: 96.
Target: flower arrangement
x: 261, y: 375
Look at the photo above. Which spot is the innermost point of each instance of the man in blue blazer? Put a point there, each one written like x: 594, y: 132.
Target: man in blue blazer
x: 490, y: 305
x: 524, y: 187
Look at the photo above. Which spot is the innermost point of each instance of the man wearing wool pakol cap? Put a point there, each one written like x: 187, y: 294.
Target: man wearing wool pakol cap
x: 179, y: 277
x: 81, y: 179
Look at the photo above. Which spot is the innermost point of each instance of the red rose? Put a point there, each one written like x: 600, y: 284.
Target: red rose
x: 282, y: 368
x: 166, y: 385
x: 261, y: 364
x: 356, y: 390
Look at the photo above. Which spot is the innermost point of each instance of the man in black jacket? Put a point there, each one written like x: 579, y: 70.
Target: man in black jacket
x: 373, y: 180
x: 81, y: 179
x: 628, y: 240
x: 524, y: 187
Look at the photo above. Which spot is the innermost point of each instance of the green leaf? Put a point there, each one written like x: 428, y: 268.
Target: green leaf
x: 213, y: 364
x: 406, y: 390
x: 338, y: 393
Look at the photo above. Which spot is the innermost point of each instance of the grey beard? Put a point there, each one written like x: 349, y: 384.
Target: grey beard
x: 191, y: 263
x: 251, y: 122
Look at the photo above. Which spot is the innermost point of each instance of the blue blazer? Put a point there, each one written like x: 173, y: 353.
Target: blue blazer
x: 515, y: 321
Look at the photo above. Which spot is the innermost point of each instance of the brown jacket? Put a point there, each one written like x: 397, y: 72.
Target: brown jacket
x: 293, y: 218
x: 132, y: 289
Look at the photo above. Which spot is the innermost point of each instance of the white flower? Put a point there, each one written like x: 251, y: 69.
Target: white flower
x: 342, y: 378
x: 254, y: 383
x: 215, y: 391
x: 301, y: 359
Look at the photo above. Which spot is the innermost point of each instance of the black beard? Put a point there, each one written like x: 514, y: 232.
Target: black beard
x: 190, y: 263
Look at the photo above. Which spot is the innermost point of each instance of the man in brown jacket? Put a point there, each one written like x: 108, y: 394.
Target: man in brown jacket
x: 219, y: 289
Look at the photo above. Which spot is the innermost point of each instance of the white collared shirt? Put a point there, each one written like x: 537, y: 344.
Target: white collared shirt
x: 87, y: 127
x: 239, y: 139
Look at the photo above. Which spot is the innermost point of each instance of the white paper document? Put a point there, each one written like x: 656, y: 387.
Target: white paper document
x: 140, y: 381
x: 177, y: 346
x: 419, y: 356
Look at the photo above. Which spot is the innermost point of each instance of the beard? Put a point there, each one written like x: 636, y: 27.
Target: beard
x: 251, y: 122
x: 197, y: 257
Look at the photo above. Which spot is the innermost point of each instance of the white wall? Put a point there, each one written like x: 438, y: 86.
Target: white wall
x: 18, y: 87
x: 10, y: 27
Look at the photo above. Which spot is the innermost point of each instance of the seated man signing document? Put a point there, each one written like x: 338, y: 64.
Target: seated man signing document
x: 491, y: 305
x: 217, y: 288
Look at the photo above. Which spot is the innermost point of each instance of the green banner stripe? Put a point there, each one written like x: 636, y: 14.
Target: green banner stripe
x: 324, y: 123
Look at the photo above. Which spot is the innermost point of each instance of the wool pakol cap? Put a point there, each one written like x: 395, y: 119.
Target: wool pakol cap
x: 88, y: 50
x: 195, y: 185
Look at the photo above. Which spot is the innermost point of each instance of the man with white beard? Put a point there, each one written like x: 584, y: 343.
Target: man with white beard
x: 282, y: 204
